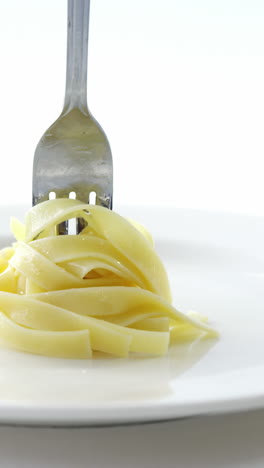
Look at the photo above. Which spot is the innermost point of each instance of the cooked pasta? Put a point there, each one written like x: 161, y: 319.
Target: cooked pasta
x: 104, y: 289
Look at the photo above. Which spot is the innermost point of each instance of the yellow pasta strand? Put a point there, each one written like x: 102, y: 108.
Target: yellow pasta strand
x: 112, y: 227
x: 76, y: 249
x: 103, y: 290
x: 75, y: 345
x: 117, y: 300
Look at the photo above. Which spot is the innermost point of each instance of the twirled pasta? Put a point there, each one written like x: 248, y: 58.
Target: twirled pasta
x: 104, y: 290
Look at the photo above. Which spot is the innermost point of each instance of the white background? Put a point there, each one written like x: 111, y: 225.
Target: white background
x: 229, y: 441
x: 177, y: 85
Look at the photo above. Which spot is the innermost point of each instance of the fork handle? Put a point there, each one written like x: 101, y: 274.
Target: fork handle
x: 77, y: 51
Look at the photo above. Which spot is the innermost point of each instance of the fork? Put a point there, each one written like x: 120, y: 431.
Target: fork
x: 73, y: 158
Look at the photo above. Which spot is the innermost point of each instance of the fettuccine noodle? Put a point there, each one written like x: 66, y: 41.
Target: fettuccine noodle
x: 103, y: 290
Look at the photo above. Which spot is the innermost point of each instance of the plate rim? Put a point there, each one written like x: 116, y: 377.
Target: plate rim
x: 113, y: 413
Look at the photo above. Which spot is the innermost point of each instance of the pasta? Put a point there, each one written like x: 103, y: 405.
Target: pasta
x: 103, y: 290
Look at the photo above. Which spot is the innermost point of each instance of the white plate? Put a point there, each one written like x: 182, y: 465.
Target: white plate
x: 216, y: 266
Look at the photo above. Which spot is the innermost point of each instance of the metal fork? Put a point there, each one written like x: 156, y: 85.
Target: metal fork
x: 74, y: 156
